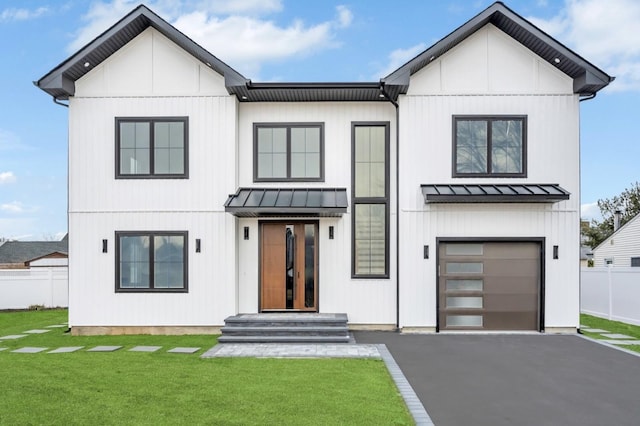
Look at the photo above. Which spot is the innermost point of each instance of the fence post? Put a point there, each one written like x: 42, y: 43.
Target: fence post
x: 610, y: 292
x: 51, y: 285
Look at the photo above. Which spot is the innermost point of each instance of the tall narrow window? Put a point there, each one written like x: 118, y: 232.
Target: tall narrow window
x: 151, y: 261
x: 151, y: 147
x: 489, y: 146
x: 370, y: 200
x: 288, y: 152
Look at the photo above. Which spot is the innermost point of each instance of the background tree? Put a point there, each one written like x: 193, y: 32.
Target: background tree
x: 628, y: 203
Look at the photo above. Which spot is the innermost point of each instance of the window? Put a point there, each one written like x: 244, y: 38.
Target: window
x: 152, y: 147
x: 370, y: 196
x: 151, y: 261
x: 489, y: 146
x: 288, y: 152
x: 635, y: 262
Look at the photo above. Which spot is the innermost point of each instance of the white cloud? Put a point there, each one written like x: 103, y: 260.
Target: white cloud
x: 590, y: 211
x: 15, y: 14
x: 12, y: 207
x: 605, y: 33
x: 399, y: 57
x: 7, y: 177
x: 232, y: 31
x: 344, y: 16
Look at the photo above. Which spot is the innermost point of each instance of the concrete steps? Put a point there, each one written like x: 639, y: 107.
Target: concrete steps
x: 285, y: 328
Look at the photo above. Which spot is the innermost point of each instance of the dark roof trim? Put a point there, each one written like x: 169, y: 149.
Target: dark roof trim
x: 273, y: 202
x: 60, y: 82
x: 497, y: 193
x: 309, y: 92
x: 588, y: 79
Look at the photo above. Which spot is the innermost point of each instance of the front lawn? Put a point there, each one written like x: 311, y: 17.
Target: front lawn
x: 125, y: 387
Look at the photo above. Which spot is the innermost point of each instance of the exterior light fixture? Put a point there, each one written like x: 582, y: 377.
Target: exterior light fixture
x: 246, y: 232
x: 104, y: 246
x: 87, y: 64
x: 197, y: 245
x: 556, y: 60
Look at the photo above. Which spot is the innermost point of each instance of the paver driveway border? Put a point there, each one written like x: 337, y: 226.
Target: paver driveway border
x: 509, y: 379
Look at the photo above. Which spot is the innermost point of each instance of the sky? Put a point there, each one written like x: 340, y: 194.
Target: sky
x: 287, y: 40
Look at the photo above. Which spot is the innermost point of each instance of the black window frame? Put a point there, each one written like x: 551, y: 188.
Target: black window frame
x: 488, y: 119
x: 288, y: 127
x: 370, y: 200
x: 152, y: 235
x: 635, y: 261
x: 152, y: 121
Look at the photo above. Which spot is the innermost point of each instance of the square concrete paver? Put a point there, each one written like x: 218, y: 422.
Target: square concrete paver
x: 36, y: 331
x: 13, y: 336
x: 57, y: 326
x: 104, y: 349
x: 621, y: 342
x: 65, y: 349
x: 145, y: 349
x: 3, y: 349
x: 29, y: 350
x: 594, y: 330
x: 182, y: 350
x: 617, y: 336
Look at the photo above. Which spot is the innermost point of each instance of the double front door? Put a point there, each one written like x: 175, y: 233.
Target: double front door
x: 288, y: 266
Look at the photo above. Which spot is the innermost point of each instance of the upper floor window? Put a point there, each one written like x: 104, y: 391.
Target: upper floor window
x: 151, y: 261
x: 489, y: 146
x: 288, y: 152
x: 152, y: 147
x: 370, y: 200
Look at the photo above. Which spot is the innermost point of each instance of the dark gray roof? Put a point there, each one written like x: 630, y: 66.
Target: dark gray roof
x: 494, y: 193
x: 60, y: 82
x: 23, y: 251
x: 587, y: 78
x: 254, y: 202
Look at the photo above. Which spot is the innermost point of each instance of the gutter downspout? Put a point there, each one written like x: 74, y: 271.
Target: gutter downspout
x: 397, y: 106
x: 56, y: 101
x: 589, y: 97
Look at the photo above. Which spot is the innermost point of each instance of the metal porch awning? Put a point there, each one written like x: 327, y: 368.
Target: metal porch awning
x: 274, y: 202
x: 497, y: 193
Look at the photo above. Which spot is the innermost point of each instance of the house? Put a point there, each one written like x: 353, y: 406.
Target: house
x: 26, y: 254
x: 622, y: 248
x: 445, y: 196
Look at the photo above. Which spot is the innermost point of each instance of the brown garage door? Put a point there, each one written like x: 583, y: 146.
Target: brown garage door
x: 489, y: 286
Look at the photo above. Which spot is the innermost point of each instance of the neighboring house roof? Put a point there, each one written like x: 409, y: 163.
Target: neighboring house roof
x: 494, y: 193
x: 60, y: 82
x: 253, y: 202
x: 622, y: 229
x: 19, y: 252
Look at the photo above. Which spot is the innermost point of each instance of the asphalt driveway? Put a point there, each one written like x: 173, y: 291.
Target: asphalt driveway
x: 517, y: 379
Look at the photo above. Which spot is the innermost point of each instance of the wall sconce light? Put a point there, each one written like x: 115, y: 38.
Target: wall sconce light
x: 555, y: 252
x: 425, y: 252
x: 331, y: 232
x: 104, y: 246
x: 246, y: 232
x: 197, y: 245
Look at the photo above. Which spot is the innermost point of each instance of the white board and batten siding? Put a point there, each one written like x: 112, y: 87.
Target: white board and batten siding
x: 151, y: 77
x: 366, y: 301
x: 621, y: 246
x: 489, y: 74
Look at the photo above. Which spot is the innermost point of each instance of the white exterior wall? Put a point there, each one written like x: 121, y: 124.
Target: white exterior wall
x: 621, y: 246
x: 365, y: 301
x: 151, y: 77
x: 488, y: 74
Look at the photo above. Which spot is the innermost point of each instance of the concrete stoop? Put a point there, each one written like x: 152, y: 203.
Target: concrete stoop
x: 285, y: 328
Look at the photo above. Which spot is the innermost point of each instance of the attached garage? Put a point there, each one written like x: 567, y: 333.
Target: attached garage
x: 490, y: 285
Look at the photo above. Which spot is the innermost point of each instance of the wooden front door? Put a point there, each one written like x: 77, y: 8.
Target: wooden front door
x: 288, y: 266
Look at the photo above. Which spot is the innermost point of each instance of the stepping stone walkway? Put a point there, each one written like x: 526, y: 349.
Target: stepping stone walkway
x: 611, y: 338
x: 70, y: 349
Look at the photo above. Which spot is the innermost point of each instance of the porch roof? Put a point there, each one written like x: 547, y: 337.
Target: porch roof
x: 260, y: 202
x: 493, y: 193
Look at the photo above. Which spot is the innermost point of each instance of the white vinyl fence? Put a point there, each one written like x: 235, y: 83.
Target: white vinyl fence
x: 21, y: 288
x: 611, y: 293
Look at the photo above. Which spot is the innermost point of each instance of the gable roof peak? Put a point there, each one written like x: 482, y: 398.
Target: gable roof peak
x: 587, y: 78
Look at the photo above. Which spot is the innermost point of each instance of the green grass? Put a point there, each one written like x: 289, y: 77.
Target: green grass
x: 612, y: 327
x: 160, y: 388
